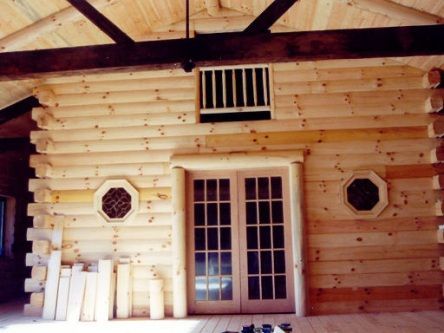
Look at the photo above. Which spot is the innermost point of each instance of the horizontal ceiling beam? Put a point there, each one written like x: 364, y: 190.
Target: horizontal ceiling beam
x: 228, y: 49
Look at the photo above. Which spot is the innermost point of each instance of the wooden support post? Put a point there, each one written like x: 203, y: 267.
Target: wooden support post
x: 51, y: 286
x: 157, y: 307
x: 63, y: 293
x: 124, y: 290
x: 178, y: 243
x: 298, y: 238
x: 105, y: 268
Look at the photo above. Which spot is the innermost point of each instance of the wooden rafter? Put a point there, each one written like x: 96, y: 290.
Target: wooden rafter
x: 46, y: 25
x: 228, y: 49
x: 101, y: 21
x: 269, y: 16
x: 395, y: 11
x: 17, y: 109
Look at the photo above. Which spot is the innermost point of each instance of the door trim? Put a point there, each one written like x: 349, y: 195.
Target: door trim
x: 245, y: 160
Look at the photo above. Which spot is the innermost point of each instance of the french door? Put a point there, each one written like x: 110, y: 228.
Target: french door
x: 239, y: 242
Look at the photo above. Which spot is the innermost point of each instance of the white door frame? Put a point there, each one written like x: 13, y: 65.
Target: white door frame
x: 228, y: 161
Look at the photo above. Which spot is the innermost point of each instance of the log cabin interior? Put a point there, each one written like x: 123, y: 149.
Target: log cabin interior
x: 223, y: 161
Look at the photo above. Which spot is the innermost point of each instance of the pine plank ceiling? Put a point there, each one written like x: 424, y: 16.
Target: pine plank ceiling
x: 36, y: 24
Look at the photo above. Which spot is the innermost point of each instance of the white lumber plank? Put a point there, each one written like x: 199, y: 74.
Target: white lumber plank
x: 76, y: 293
x: 124, y: 290
x: 51, y: 286
x: 89, y: 301
x: 63, y: 292
x: 103, y: 290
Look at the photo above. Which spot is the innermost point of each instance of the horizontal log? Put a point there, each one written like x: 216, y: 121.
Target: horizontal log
x: 120, y: 233
x: 34, y: 286
x: 36, y: 299
x: 405, y: 305
x: 283, y: 74
x: 373, y: 266
x: 47, y: 146
x: 92, y: 221
x: 338, y: 86
x: 100, y: 171
x: 440, y: 235
x: 34, y: 209
x: 441, y: 263
x: 377, y: 293
x: 412, y: 171
x: 137, y: 259
x: 36, y: 260
x: 376, y: 280
x: 39, y: 273
x: 41, y: 247
x: 335, y: 63
x: 140, y: 245
x: 117, y: 109
x: 33, y: 234
x: 436, y: 128
x: 48, y: 121
x: 411, y: 223
x: 32, y: 311
x: 432, y: 78
x: 94, y: 182
x: 142, y: 285
x: 150, y: 272
x: 375, y: 252
x: 437, y: 155
x: 229, y: 48
x: 434, y: 103
x: 145, y: 194
x: 371, y: 239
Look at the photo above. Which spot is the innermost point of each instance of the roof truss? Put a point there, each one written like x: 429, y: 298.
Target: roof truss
x: 269, y: 16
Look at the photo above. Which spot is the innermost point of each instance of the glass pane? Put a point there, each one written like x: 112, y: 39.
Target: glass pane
x: 225, y: 238
x: 266, y: 263
x: 225, y: 262
x: 213, y: 241
x: 267, y: 287
x: 279, y: 262
x: 211, y: 189
x: 199, y: 260
x: 212, y: 214
x: 278, y: 237
x: 213, y: 288
x: 264, y: 212
x: 250, y: 188
x: 251, y: 213
x: 200, y: 286
x: 199, y: 214
x: 224, y: 189
x: 225, y: 213
x: 213, y: 263
x: 253, y: 287
x: 199, y: 190
x: 277, y: 211
x: 264, y: 191
x: 227, y: 288
x: 265, y: 237
x: 199, y: 239
x: 253, y: 262
x: 252, y: 242
x: 280, y: 286
x: 276, y: 187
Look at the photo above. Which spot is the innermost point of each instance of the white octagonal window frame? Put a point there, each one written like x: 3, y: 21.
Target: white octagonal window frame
x: 380, y: 183
x: 98, y: 202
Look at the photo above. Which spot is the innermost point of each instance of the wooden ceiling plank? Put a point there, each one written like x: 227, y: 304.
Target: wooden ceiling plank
x: 228, y: 49
x: 269, y: 16
x: 46, y: 25
x: 395, y: 11
x: 101, y: 21
x: 17, y: 109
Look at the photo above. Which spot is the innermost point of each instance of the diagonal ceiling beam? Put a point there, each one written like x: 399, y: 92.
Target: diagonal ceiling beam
x: 17, y: 109
x: 228, y: 49
x: 46, y: 25
x: 101, y: 21
x: 396, y: 11
x: 269, y: 16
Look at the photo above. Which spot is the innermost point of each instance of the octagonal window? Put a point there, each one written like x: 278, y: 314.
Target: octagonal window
x: 362, y: 194
x: 365, y: 194
x: 116, y: 202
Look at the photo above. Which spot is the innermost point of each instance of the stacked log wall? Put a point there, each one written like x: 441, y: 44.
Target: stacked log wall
x: 345, y: 115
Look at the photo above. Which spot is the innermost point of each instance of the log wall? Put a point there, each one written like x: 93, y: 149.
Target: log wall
x: 345, y: 115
